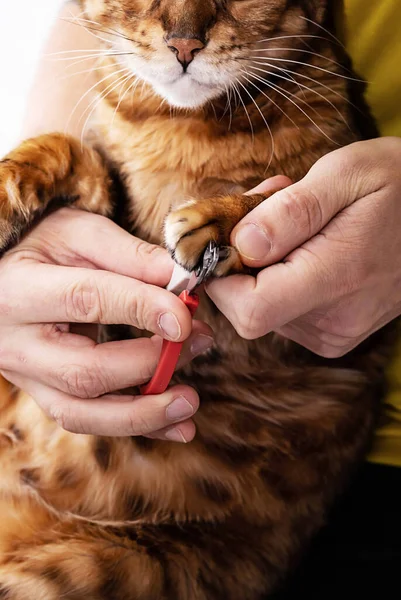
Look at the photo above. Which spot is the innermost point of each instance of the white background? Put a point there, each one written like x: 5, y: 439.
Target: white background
x: 24, y: 26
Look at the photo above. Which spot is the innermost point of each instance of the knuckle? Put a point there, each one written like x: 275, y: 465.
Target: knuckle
x: 8, y: 359
x: 144, y: 250
x: 333, y: 351
x: 359, y: 274
x: 81, y: 381
x: 57, y: 414
x: 66, y: 420
x: 83, y: 302
x: 246, y: 331
x: 249, y: 323
x: 332, y: 345
x: 139, y: 308
x: 140, y: 424
x: 303, y: 209
x: 350, y: 330
x: 345, y: 325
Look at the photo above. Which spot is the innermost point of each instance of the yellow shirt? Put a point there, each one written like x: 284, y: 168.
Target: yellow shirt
x: 373, y: 38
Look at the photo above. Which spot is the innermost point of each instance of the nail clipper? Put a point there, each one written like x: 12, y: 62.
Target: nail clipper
x: 171, y: 350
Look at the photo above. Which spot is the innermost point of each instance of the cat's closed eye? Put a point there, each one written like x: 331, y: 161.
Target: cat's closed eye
x: 192, y: 51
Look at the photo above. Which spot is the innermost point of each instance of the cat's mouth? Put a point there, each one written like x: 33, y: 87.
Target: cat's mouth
x: 190, y: 86
x: 186, y: 91
x: 194, y: 80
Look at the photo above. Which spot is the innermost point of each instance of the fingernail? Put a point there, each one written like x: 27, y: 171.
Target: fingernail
x: 179, y: 409
x: 170, y: 326
x: 202, y: 343
x: 252, y: 242
x: 175, y: 435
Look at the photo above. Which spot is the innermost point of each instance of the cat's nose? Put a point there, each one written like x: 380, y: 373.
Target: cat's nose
x: 184, y: 49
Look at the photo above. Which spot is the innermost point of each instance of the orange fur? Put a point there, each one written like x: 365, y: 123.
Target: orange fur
x: 279, y: 429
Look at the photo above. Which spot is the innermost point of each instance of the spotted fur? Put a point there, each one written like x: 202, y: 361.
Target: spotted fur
x: 280, y: 431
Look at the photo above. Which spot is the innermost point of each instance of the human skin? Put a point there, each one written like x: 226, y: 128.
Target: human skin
x: 333, y: 287
x: 330, y: 246
x: 76, y: 269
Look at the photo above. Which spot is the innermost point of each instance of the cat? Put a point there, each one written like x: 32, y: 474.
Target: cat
x: 231, y: 92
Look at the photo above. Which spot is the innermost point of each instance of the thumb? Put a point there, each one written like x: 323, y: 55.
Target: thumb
x: 293, y: 215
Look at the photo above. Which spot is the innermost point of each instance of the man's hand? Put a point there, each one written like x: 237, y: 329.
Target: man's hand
x: 76, y: 267
x: 332, y: 247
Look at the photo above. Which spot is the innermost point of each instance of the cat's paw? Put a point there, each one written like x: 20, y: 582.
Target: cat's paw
x: 14, y: 185
x: 42, y: 170
x: 189, y: 228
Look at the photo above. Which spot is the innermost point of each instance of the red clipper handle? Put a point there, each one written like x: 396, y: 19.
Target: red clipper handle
x: 170, y: 354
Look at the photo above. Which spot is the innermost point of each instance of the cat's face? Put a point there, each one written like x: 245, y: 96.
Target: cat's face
x: 192, y: 51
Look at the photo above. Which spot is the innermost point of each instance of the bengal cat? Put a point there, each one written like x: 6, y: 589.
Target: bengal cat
x: 230, y: 92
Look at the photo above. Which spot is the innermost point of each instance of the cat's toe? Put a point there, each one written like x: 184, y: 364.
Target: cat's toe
x: 189, y: 228
x: 187, y: 232
x: 229, y: 263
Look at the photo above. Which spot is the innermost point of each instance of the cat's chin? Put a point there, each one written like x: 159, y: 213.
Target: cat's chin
x: 186, y: 92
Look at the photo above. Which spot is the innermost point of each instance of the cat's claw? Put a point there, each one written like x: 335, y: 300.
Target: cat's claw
x: 188, y: 232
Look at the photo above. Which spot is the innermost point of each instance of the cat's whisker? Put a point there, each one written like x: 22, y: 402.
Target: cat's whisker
x: 143, y: 89
x: 58, y: 79
x: 280, y: 91
x: 214, y: 110
x: 302, y: 51
x: 162, y: 103
x: 108, y: 29
x: 230, y: 108
x: 332, y: 36
x: 292, y: 37
x: 281, y: 69
x: 235, y: 95
x: 315, y: 81
x: 97, y: 27
x: 123, y: 95
x: 78, y: 62
x: 83, y: 58
x: 307, y: 88
x: 91, y: 70
x: 94, y: 51
x: 67, y: 515
x: 99, y: 95
x: 266, y: 96
x: 297, y: 62
x: 227, y: 106
x: 93, y: 87
x: 264, y: 120
x: 292, y: 95
x: 245, y: 109
x: 96, y: 101
x: 89, y: 30
x: 265, y: 81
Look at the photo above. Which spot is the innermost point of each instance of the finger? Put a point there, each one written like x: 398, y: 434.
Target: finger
x: 79, y: 238
x: 295, y: 214
x: 73, y: 295
x: 184, y: 432
x: 114, y: 415
x: 283, y: 293
x: 270, y: 185
x: 76, y: 365
x: 256, y: 306
x: 315, y: 334
x: 318, y: 341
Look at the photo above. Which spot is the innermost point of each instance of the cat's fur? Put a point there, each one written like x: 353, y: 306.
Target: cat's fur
x: 279, y: 429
